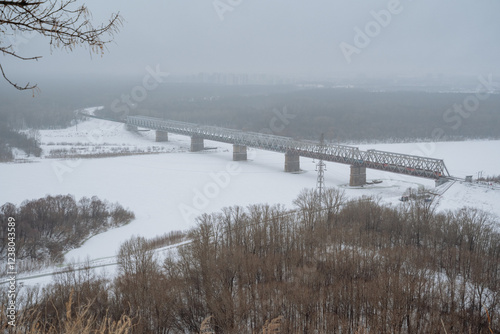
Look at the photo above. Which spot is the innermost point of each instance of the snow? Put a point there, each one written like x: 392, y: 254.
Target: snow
x: 166, y: 191
x: 98, y: 136
x: 91, y: 110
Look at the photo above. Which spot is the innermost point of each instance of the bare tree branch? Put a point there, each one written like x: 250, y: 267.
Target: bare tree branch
x: 18, y: 3
x: 27, y: 86
x: 63, y: 22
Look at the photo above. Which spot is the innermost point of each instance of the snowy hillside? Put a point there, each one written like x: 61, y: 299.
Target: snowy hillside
x: 166, y: 191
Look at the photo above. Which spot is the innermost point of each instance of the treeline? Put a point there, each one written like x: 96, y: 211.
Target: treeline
x: 36, y: 113
x: 350, y: 267
x: 49, y: 226
x: 28, y: 142
x: 343, y: 115
x: 491, y: 179
x: 54, y: 105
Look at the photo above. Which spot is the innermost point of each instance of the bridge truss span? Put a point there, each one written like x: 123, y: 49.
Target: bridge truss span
x: 350, y: 155
x: 414, y: 165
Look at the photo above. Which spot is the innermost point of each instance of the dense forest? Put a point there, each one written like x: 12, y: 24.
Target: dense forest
x: 343, y: 114
x: 349, y: 266
x: 49, y: 226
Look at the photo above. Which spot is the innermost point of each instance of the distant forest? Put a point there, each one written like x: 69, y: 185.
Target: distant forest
x: 343, y: 115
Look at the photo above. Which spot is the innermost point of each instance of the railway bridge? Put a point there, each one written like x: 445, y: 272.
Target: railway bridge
x: 294, y: 149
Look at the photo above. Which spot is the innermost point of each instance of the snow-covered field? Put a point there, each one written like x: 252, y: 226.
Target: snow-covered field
x: 166, y: 191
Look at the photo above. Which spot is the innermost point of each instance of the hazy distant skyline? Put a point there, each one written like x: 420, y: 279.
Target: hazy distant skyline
x: 292, y: 37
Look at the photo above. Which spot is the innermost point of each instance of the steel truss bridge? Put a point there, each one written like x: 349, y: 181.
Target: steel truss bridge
x: 386, y: 161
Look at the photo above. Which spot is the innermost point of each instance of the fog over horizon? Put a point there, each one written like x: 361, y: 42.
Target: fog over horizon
x: 291, y: 38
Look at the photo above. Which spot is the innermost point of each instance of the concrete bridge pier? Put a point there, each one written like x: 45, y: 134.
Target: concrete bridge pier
x: 239, y: 152
x: 292, y: 162
x: 161, y: 136
x: 131, y: 127
x: 358, y: 176
x: 441, y: 181
x: 197, y: 144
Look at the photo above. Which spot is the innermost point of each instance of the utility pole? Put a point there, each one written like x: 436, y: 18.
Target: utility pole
x: 320, y: 168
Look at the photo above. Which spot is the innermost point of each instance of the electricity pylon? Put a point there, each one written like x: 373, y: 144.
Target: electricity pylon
x: 320, y: 168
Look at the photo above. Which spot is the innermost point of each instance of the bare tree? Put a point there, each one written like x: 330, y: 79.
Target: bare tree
x: 66, y: 24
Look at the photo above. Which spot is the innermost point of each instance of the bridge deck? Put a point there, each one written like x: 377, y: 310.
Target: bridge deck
x: 380, y: 160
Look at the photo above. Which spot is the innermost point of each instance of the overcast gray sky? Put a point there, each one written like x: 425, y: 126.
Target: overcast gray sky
x: 290, y: 37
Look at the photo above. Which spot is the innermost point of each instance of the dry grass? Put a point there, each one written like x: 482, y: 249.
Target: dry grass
x: 273, y: 326
x: 80, y: 322
x: 270, y: 327
x: 206, y: 327
x: 489, y: 319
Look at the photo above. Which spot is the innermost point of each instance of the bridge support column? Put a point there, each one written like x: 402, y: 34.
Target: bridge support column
x: 292, y: 162
x: 131, y: 127
x: 161, y: 136
x: 443, y: 180
x: 239, y: 152
x: 197, y: 144
x: 358, y: 176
